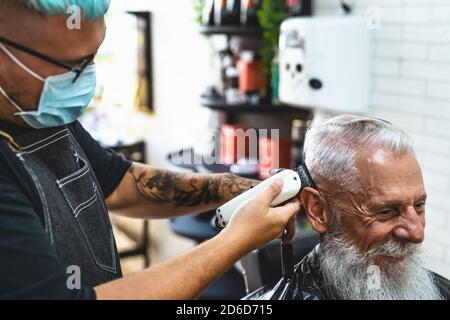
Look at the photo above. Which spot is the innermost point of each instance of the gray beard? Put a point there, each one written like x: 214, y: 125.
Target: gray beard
x: 353, y: 276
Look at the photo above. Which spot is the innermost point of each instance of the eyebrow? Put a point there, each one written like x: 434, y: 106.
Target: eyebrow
x: 394, y: 203
x: 422, y: 198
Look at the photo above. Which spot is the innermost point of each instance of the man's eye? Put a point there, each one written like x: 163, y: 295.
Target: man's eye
x: 386, y: 212
x: 389, y: 212
x: 419, y: 206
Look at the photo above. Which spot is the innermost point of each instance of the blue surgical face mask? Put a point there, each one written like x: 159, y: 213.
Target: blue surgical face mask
x: 62, y: 101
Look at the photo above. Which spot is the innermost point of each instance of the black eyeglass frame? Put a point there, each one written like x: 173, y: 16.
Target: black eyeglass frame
x: 77, y: 70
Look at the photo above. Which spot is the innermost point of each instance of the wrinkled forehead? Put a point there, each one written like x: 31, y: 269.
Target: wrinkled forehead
x: 389, y: 176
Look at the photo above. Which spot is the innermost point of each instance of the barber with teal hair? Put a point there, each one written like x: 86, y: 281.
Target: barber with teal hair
x: 57, y: 184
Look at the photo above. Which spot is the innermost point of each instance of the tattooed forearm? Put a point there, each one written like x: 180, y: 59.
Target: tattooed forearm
x: 233, y: 185
x: 187, y: 189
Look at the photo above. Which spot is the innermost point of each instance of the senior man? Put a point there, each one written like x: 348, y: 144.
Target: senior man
x: 369, y: 208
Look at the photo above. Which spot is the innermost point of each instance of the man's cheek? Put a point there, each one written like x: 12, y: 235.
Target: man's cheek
x: 377, y: 233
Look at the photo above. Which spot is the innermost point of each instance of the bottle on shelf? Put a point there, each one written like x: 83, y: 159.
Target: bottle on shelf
x: 208, y: 13
x: 226, y: 61
x: 231, y: 150
x: 219, y: 12
x: 233, y: 12
x: 227, y: 12
x: 275, y: 79
x: 249, y: 9
x: 232, y: 95
x: 251, y: 80
x: 299, y: 8
x: 273, y: 153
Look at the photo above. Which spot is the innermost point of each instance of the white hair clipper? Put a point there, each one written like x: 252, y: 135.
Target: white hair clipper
x: 293, y: 183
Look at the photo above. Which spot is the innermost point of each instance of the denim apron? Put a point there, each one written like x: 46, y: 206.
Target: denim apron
x: 75, y: 214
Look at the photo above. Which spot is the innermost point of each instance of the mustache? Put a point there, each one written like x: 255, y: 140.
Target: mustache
x: 394, y: 249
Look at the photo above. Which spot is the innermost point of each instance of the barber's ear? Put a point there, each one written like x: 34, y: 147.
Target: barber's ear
x: 315, y: 211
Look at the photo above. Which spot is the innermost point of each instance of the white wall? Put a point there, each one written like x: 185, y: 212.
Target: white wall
x: 411, y: 77
x: 181, y: 64
x: 411, y: 88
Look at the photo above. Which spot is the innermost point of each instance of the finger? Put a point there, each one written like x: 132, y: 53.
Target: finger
x: 288, y: 210
x: 290, y: 229
x: 270, y: 192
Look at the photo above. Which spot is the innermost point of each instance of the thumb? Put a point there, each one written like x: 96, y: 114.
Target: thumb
x: 288, y: 210
x: 270, y: 192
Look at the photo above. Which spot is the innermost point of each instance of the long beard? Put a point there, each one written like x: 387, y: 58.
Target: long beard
x: 353, y: 276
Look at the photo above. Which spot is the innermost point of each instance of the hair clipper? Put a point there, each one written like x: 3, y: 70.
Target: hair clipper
x: 293, y: 183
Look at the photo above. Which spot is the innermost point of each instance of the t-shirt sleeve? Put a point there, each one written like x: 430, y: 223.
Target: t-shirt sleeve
x: 29, y: 266
x: 108, y: 167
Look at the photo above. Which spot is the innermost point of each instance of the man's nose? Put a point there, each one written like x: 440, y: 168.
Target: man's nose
x: 411, y: 227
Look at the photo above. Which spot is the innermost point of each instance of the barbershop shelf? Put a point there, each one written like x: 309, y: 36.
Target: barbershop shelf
x: 220, y: 105
x: 231, y: 31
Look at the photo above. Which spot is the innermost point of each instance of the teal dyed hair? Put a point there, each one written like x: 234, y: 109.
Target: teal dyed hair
x: 92, y: 9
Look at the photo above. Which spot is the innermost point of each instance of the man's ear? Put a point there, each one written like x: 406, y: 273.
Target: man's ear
x: 315, y: 211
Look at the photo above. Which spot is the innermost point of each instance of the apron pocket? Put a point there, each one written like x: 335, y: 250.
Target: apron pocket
x: 86, y: 203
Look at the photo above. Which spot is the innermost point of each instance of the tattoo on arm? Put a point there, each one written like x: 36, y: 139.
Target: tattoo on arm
x: 233, y: 185
x: 186, y: 189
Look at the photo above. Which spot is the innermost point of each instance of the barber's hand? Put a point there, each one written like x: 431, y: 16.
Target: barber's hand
x: 256, y: 223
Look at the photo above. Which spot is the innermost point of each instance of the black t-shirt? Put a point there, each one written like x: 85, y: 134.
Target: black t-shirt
x: 29, y: 265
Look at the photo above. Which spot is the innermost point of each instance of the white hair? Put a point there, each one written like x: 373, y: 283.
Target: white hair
x: 331, y: 148
x: 352, y: 275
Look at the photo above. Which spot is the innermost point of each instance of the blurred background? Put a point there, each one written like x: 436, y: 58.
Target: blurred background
x: 181, y: 77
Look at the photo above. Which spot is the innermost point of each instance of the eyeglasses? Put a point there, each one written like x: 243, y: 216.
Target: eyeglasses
x: 78, y: 70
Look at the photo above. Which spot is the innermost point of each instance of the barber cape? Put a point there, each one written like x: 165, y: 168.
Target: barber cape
x: 307, y: 283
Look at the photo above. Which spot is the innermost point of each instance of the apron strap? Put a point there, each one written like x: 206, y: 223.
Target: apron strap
x: 10, y: 140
